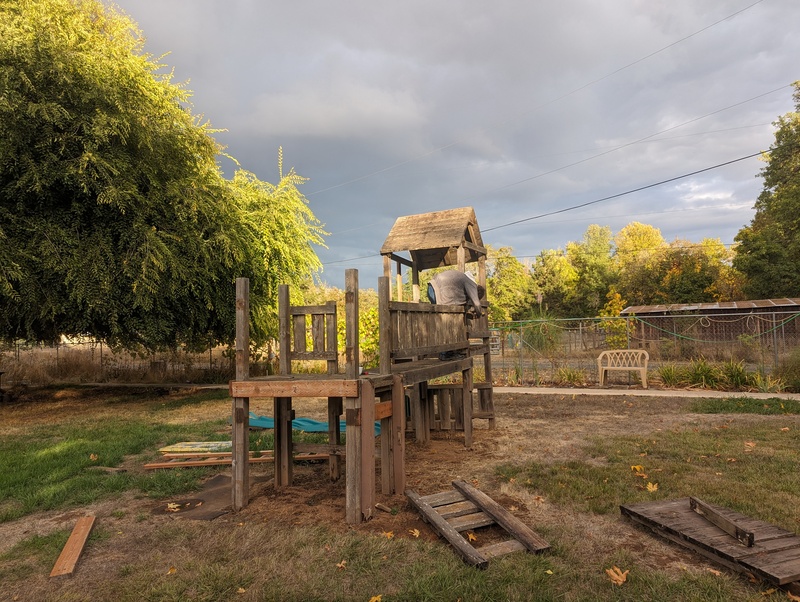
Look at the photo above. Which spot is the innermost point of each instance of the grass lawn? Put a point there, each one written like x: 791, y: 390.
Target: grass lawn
x: 60, y: 453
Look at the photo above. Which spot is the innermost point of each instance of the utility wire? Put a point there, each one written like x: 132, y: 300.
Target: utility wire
x: 537, y: 107
x: 615, y: 196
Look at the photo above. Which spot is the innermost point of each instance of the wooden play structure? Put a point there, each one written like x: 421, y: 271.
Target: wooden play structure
x: 412, y: 335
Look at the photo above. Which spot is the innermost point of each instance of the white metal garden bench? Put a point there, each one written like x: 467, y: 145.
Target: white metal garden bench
x: 625, y: 360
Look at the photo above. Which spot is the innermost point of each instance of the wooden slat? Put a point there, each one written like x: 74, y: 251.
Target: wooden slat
x: 383, y: 410
x: 467, y: 522
x: 724, y: 523
x: 68, y: 559
x: 501, y: 548
x: 457, y: 509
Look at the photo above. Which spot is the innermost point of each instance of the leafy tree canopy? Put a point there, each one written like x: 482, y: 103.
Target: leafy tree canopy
x: 769, y: 247
x: 115, y: 218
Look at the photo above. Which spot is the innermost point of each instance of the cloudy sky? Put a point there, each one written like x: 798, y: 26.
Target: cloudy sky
x: 518, y: 109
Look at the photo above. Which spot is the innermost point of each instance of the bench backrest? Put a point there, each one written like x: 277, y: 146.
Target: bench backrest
x: 417, y: 330
x: 623, y: 358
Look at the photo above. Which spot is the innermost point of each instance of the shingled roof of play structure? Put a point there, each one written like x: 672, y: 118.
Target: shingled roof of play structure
x: 433, y: 239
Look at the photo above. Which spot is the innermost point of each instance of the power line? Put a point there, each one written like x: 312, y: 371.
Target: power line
x: 614, y: 196
x: 627, y: 144
x: 537, y: 107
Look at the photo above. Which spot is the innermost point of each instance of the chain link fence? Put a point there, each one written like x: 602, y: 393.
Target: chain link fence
x: 531, y: 352
x: 553, y: 350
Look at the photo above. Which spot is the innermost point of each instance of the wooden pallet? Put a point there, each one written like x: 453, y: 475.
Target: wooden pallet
x: 725, y: 537
x: 465, y: 508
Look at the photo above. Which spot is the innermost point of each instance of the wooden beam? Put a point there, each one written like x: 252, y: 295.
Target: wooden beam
x: 519, y: 530
x: 743, y: 535
x: 65, y: 565
x: 295, y: 388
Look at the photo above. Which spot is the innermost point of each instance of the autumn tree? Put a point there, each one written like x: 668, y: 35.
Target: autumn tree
x: 638, y: 249
x: 695, y: 273
x: 507, y: 283
x: 592, y: 261
x: 115, y: 218
x: 554, y: 280
x: 769, y: 247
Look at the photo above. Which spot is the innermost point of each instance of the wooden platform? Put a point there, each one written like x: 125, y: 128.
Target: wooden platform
x: 465, y: 508
x: 774, y: 554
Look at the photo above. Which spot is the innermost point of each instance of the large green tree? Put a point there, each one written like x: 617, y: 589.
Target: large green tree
x: 507, y: 283
x: 769, y: 247
x: 115, y: 218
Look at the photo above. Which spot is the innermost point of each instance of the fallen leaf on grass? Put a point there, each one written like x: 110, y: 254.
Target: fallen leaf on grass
x: 714, y: 572
x: 172, y: 570
x: 641, y: 474
x: 173, y: 507
x: 341, y: 565
x: 637, y: 468
x: 769, y: 592
x: 241, y: 590
x: 786, y: 430
x: 616, y: 575
x: 548, y: 572
x: 791, y: 596
x: 471, y: 536
x: 388, y: 534
x: 414, y: 532
x: 749, y: 446
x: 93, y: 457
x: 375, y: 598
x: 652, y: 487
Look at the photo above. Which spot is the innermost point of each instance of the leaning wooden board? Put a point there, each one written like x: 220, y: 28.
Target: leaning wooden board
x: 774, y: 555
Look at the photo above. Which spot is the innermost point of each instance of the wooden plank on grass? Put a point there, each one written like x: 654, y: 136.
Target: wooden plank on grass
x: 65, y: 565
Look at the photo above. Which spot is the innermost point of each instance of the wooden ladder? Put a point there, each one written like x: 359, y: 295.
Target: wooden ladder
x: 465, y: 508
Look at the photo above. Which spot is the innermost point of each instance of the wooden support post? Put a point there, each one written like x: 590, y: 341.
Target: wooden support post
x: 367, y: 449
x: 415, y: 292
x: 399, y: 281
x: 353, y: 464
x: 351, y: 349
x: 334, y: 435
x: 445, y: 396
x: 398, y: 434
x: 466, y: 380
x: 384, y: 325
x: 283, y: 441
x: 240, y: 419
x: 285, y: 331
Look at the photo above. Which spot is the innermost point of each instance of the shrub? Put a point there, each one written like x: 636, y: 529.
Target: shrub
x: 671, y: 375
x: 788, y: 371
x: 569, y: 376
x: 703, y: 374
x: 734, y: 375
